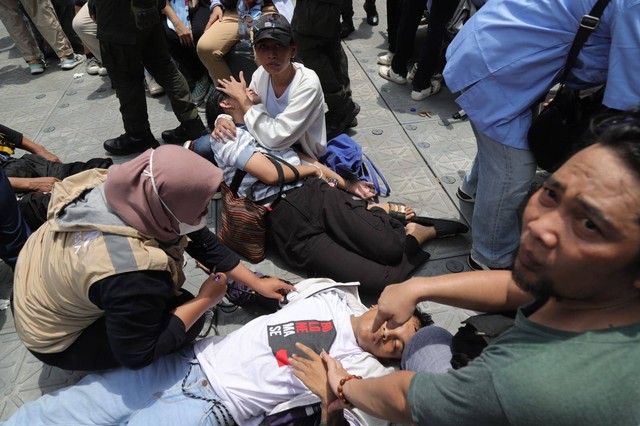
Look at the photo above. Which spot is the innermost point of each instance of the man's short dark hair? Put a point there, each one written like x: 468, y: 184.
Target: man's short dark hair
x: 620, y: 131
x: 423, y: 317
x: 213, y: 108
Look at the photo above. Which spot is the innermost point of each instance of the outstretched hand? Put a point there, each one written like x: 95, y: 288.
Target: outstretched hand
x: 225, y: 130
x: 213, y: 288
x: 395, y: 307
x: 273, y: 288
x: 236, y: 89
x: 42, y: 184
x: 362, y: 189
x: 312, y: 371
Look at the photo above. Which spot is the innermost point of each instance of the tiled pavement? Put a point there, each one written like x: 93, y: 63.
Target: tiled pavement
x: 72, y: 114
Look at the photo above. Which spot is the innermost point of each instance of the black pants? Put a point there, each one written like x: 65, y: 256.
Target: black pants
x: 186, y: 56
x: 34, y: 204
x: 316, y: 30
x: 429, y: 61
x: 91, y: 350
x: 325, y: 232
x: 409, y: 15
x: 126, y: 63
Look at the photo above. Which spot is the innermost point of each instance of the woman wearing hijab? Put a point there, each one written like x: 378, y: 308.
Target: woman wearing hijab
x: 99, y: 284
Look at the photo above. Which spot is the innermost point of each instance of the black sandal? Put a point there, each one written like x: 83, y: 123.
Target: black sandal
x: 444, y: 227
x: 398, y: 211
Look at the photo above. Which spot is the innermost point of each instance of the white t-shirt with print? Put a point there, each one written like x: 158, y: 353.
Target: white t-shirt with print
x: 249, y: 369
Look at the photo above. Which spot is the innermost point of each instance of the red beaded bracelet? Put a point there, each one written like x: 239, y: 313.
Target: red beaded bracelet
x: 341, y: 393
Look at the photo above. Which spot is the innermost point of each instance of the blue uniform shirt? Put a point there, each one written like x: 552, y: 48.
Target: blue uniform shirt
x: 512, y: 52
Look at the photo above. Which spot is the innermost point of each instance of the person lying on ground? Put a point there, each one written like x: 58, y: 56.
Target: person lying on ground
x: 316, y: 225
x: 99, y: 285
x: 238, y: 378
x: 32, y: 176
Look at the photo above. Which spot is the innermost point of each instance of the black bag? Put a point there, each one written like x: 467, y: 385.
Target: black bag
x: 556, y: 131
x: 476, y: 334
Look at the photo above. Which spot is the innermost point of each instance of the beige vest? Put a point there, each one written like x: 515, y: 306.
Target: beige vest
x: 60, y: 262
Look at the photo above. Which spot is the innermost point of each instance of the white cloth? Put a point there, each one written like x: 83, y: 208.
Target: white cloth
x: 249, y: 368
x: 302, y: 121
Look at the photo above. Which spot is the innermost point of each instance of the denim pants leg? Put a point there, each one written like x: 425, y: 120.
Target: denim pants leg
x: 428, y: 350
x: 202, y: 147
x: 502, y: 176
x: 150, y: 396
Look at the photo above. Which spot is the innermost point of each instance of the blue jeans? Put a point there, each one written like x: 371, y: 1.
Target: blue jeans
x: 428, y: 350
x: 202, y: 147
x: 150, y: 396
x: 499, y: 180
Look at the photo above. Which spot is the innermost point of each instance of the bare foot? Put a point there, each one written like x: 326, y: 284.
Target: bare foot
x: 420, y: 232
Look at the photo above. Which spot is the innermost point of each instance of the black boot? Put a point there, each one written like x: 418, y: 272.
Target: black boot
x: 339, y: 122
x: 188, y: 130
x: 346, y: 27
x: 126, y: 143
x: 372, y: 12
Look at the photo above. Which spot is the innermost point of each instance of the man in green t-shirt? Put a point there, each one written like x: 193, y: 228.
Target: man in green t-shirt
x: 572, y: 357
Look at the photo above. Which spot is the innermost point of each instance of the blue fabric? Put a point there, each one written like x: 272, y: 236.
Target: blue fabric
x: 150, y: 396
x: 13, y: 229
x: 428, y: 350
x: 511, y: 52
x: 499, y: 180
x: 345, y: 157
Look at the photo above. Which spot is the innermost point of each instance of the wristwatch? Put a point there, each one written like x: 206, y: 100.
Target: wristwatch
x: 332, y: 182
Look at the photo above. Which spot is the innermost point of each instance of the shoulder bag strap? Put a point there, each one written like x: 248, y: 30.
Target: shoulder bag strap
x: 237, y: 180
x: 588, y: 23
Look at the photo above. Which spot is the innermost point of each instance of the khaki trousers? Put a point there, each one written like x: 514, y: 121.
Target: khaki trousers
x: 46, y: 21
x: 11, y: 17
x: 87, y: 30
x: 218, y: 40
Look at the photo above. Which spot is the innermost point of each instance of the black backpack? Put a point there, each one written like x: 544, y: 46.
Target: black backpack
x: 476, y: 334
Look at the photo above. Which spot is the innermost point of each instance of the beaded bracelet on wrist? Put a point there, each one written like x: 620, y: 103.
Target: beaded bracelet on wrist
x: 344, y: 380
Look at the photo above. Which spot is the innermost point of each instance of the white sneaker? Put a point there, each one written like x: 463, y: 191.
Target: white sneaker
x: 435, y: 87
x: 93, y: 66
x: 72, y: 62
x: 102, y: 72
x: 412, y: 72
x: 153, y: 87
x: 387, y: 73
x: 385, y: 59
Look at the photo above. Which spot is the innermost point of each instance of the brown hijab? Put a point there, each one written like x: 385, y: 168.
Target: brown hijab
x: 185, y: 181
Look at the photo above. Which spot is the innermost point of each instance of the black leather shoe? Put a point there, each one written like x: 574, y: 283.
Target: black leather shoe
x: 372, y: 12
x: 346, y: 28
x: 126, y: 144
x: 337, y: 123
x: 188, y: 130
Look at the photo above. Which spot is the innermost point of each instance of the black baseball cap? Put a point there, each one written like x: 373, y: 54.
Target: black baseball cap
x: 272, y: 26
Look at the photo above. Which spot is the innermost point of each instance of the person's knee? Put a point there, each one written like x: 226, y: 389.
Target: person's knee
x: 428, y: 350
